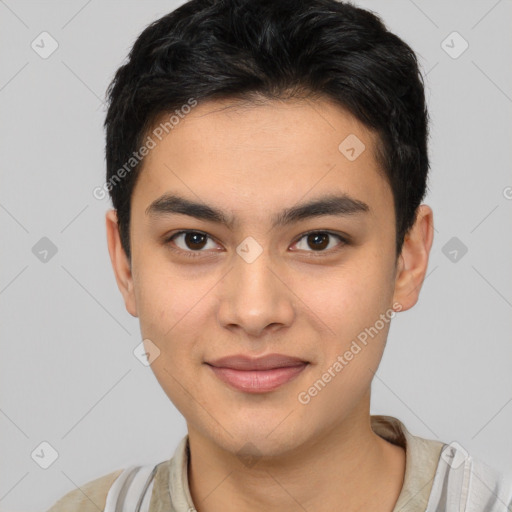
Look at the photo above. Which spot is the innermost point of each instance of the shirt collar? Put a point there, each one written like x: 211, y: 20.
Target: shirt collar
x: 421, y: 461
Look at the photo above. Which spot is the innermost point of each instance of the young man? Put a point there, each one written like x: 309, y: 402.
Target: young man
x: 267, y: 161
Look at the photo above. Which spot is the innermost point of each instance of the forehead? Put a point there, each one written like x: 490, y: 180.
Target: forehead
x: 275, y: 153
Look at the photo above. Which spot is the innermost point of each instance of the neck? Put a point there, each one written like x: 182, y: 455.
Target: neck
x: 343, y: 465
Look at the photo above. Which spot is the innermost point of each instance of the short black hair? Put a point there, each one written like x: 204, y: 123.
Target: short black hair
x: 275, y: 50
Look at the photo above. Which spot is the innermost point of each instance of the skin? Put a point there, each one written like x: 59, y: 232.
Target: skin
x: 253, y: 161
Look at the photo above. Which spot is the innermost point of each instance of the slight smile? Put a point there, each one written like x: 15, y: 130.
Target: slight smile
x: 257, y: 375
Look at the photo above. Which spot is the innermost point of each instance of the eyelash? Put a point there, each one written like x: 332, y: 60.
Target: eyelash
x: 196, y: 254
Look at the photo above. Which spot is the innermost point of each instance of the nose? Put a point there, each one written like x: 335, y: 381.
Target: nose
x: 255, y: 297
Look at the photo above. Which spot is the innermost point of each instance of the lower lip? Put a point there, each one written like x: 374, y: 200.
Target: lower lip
x: 257, y: 381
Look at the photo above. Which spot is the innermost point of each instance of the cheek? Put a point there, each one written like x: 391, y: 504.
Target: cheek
x: 172, y: 314
x: 339, y: 383
x: 165, y: 301
x: 345, y: 299
x: 171, y: 319
x: 353, y: 305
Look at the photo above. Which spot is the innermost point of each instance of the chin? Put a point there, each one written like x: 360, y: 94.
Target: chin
x: 258, y: 440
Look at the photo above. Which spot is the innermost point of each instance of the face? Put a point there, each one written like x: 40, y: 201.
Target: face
x: 263, y: 276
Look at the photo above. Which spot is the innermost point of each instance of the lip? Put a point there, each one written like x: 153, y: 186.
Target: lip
x: 268, y: 362
x: 257, y: 374
x: 258, y: 381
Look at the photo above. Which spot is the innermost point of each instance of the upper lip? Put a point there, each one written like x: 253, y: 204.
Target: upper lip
x: 268, y: 362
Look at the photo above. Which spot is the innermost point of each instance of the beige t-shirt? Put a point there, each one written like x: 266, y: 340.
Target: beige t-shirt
x: 171, y: 492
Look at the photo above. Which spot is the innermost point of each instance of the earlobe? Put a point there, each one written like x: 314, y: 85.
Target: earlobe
x: 120, y: 262
x: 413, y: 260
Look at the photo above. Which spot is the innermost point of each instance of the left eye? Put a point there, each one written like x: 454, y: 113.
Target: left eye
x: 319, y: 240
x: 195, y: 241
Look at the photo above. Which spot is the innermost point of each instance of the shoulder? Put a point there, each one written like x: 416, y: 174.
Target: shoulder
x: 90, y: 497
x: 463, y: 479
x: 489, y: 489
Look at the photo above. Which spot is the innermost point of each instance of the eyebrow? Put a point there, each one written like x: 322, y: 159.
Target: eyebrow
x: 339, y: 205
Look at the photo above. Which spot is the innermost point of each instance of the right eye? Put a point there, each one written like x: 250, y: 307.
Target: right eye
x: 192, y: 242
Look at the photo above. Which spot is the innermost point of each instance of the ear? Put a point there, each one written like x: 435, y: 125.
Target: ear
x: 413, y: 260
x: 120, y: 262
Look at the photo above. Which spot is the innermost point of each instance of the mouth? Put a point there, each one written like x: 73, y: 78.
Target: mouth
x: 257, y: 375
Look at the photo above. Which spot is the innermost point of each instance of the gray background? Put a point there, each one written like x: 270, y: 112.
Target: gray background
x: 68, y: 373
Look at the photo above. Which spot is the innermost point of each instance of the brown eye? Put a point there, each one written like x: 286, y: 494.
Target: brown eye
x: 319, y: 241
x: 195, y: 240
x: 192, y: 243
